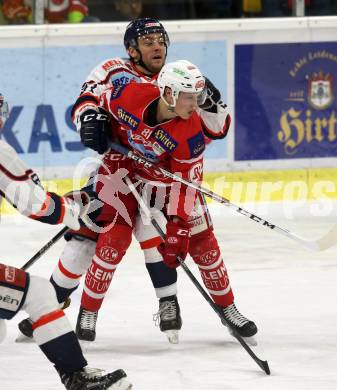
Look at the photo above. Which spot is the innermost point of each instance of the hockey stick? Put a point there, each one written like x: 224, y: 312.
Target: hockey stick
x: 25, y: 326
x: 263, y: 364
x: 323, y: 243
x: 44, y: 249
x: 50, y: 243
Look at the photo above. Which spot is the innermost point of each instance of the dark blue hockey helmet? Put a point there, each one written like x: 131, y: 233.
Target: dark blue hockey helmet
x: 140, y: 27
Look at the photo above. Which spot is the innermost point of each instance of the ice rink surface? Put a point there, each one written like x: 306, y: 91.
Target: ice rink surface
x: 288, y: 291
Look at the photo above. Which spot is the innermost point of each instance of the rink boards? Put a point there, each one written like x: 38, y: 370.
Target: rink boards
x: 245, y: 187
x: 277, y: 76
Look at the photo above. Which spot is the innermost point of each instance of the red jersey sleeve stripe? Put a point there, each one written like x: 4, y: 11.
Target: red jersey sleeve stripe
x: 47, y: 318
x: 23, y: 177
x: 67, y: 273
x: 151, y: 243
x: 60, y: 220
x: 44, y: 208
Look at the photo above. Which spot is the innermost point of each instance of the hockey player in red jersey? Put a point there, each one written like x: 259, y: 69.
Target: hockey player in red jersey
x: 164, y: 123
x: 146, y: 42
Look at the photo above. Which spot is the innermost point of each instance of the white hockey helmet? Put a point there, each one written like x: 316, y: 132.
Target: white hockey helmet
x: 180, y: 76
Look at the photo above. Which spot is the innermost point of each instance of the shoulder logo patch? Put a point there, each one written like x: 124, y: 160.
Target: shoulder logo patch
x: 196, y: 144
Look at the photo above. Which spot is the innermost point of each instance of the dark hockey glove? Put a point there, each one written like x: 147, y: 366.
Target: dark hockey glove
x: 209, y: 97
x: 176, y: 243
x: 94, y: 130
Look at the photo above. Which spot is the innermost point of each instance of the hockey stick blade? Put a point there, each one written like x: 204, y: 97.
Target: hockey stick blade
x: 316, y: 245
x: 263, y: 364
x: 328, y: 240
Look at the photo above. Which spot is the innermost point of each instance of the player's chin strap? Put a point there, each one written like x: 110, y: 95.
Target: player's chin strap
x: 263, y: 364
x: 325, y: 242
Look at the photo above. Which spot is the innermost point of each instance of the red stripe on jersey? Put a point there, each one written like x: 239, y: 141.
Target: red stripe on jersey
x: 151, y: 243
x: 219, y: 135
x: 88, y: 99
x: 67, y: 273
x: 47, y: 318
x: 44, y: 208
x: 116, y: 70
x: 63, y: 210
x: 23, y: 177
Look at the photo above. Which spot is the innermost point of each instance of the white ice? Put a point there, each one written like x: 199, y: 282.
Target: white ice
x: 288, y: 291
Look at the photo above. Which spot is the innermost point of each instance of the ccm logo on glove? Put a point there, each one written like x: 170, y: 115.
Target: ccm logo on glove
x: 95, y: 116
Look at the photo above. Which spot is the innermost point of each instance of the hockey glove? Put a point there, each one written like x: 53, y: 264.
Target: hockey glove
x: 176, y: 243
x: 94, y: 127
x: 75, y: 208
x: 88, y: 204
x: 209, y: 97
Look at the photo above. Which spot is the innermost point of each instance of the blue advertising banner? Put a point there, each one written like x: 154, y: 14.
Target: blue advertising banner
x: 285, y: 104
x: 41, y: 83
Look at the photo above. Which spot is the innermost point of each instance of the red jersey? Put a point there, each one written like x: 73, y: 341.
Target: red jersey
x: 176, y: 144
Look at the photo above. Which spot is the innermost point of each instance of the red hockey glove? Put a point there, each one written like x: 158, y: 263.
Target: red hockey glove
x: 176, y: 243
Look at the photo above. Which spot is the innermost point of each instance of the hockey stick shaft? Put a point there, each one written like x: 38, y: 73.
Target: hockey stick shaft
x: 263, y: 364
x: 316, y: 245
x: 44, y: 249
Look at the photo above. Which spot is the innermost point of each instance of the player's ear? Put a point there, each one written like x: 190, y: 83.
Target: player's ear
x: 133, y: 53
x: 168, y: 95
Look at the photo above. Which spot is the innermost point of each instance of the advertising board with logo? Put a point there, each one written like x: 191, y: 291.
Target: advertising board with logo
x: 41, y: 90
x: 285, y: 103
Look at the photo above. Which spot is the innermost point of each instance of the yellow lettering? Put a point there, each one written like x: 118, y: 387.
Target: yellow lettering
x: 319, y: 125
x: 308, y: 127
x: 292, y: 133
x: 297, y: 66
x: 298, y: 127
x: 332, y: 127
